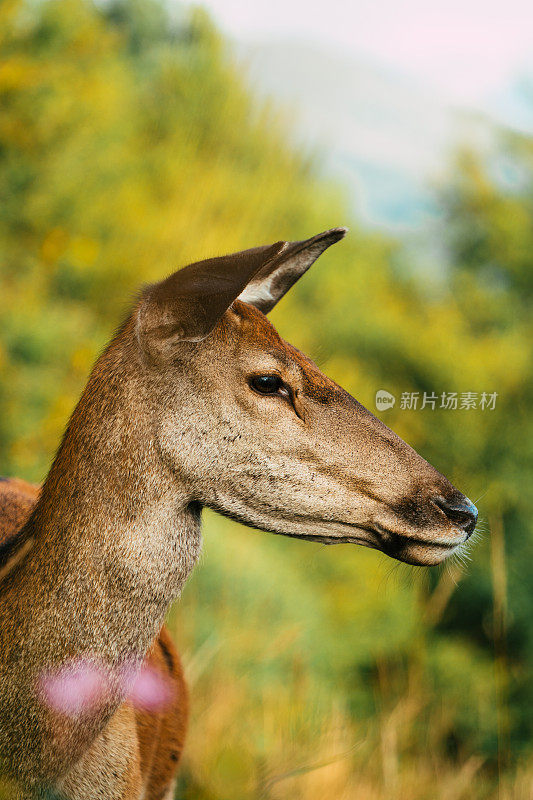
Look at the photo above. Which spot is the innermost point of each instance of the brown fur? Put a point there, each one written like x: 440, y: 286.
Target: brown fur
x: 168, y: 423
x: 160, y: 735
x: 315, y: 384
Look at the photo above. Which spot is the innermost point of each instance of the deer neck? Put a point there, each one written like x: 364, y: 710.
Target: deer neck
x: 113, y: 538
x: 114, y: 533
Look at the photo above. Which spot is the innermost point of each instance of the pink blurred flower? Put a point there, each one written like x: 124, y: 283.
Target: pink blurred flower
x: 75, y: 688
x: 149, y: 690
x: 81, y: 685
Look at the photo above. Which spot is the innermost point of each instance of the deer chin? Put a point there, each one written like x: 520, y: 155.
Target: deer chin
x: 420, y: 552
x: 423, y: 551
x: 424, y: 547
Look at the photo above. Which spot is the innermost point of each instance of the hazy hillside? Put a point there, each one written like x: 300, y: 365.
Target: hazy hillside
x: 386, y: 136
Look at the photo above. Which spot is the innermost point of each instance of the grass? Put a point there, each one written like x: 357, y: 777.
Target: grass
x: 270, y: 721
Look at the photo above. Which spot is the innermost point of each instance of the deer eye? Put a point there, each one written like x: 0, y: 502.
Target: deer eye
x: 267, y: 384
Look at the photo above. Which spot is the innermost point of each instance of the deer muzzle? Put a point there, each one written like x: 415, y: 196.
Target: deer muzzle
x: 425, y: 531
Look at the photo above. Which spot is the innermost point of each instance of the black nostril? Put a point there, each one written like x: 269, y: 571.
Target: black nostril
x: 462, y: 512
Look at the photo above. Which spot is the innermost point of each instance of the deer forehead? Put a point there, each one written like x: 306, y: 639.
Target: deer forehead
x: 260, y: 346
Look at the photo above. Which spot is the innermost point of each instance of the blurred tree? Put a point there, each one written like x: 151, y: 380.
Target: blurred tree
x: 128, y: 146
x: 489, y: 230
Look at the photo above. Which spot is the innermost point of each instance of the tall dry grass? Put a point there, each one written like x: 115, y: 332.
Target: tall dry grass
x: 259, y: 737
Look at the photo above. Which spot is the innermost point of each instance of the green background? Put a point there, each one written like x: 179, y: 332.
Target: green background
x: 130, y: 144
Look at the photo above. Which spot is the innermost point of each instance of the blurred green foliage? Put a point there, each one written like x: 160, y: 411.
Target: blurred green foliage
x: 130, y: 145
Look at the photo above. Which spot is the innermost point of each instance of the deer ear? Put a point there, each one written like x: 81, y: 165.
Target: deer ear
x: 275, y: 278
x: 187, y: 305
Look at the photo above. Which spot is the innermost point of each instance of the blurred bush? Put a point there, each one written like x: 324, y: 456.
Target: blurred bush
x: 130, y: 145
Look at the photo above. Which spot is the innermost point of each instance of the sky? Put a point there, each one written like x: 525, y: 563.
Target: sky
x: 468, y: 49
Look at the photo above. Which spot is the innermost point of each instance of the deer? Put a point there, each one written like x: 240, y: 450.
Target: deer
x: 196, y: 402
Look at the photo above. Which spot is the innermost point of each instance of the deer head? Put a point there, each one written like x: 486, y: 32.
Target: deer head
x: 255, y: 431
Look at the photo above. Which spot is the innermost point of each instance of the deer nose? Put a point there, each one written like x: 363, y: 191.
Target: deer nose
x: 462, y: 512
